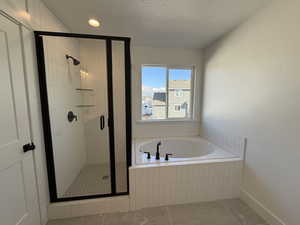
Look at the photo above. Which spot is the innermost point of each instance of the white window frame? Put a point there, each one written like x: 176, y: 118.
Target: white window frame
x: 192, y: 99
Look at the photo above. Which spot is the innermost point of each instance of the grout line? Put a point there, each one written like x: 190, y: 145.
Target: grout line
x: 234, y: 214
x: 102, y: 219
x: 169, y: 216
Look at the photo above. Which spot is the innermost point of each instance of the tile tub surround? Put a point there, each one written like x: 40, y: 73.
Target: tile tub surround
x: 181, y: 182
x: 184, y: 182
x: 224, y: 212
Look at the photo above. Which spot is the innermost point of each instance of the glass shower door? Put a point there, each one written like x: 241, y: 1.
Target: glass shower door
x: 76, y: 78
x: 95, y: 108
x: 85, y: 97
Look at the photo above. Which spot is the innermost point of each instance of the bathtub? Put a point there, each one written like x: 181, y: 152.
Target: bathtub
x: 182, y: 149
x: 197, y: 171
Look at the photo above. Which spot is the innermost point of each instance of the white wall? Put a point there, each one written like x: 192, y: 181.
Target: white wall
x: 35, y: 16
x: 252, y: 89
x: 169, y: 56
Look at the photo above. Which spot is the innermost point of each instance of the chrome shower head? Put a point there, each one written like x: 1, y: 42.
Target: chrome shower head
x: 75, y: 61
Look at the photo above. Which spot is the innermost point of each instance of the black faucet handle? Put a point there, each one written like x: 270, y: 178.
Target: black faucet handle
x: 148, y: 155
x: 167, y: 156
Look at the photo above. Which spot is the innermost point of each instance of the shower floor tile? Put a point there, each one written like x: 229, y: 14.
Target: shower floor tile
x: 90, y: 181
x: 95, y: 180
x: 225, y: 212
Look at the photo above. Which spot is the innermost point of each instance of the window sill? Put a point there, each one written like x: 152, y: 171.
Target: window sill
x: 167, y: 121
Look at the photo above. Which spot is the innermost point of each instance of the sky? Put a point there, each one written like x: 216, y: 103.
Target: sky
x: 155, y: 77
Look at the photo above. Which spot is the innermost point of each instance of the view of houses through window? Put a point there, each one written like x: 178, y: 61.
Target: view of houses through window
x: 166, y: 92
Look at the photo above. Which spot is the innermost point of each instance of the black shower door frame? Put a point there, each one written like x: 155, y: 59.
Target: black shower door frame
x: 46, y: 116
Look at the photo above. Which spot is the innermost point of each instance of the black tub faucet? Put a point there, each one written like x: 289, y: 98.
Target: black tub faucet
x: 157, y: 157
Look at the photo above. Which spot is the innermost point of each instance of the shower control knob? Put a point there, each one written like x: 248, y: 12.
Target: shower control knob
x: 28, y: 147
x: 71, y: 116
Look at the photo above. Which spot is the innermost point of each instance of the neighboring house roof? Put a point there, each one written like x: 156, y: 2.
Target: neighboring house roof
x: 159, y: 96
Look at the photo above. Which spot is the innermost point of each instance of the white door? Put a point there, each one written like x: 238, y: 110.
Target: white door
x: 18, y: 194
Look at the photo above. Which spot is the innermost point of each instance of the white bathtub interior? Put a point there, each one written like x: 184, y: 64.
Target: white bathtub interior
x: 181, y: 148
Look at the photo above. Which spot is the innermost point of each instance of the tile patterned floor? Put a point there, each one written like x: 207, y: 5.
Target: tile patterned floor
x: 225, y: 212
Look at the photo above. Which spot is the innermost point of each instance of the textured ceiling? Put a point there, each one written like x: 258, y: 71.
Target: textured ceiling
x: 157, y: 23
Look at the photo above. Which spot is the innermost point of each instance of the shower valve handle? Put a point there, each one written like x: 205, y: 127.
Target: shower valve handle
x: 72, y: 116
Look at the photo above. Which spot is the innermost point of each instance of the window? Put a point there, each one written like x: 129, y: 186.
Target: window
x: 178, y: 92
x: 167, y: 92
x: 177, y: 108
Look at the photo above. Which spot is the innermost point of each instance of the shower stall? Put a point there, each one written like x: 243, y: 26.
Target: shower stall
x: 85, y: 98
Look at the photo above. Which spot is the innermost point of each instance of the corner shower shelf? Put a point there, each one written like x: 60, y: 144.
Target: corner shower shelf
x: 84, y: 89
x: 85, y: 106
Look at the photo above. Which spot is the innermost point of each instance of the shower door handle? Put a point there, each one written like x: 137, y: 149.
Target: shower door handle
x: 102, y: 122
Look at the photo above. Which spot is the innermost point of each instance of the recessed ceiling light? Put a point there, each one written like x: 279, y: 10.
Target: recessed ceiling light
x: 94, y: 23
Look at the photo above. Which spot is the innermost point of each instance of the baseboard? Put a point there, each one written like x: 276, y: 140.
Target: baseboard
x: 260, y: 209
